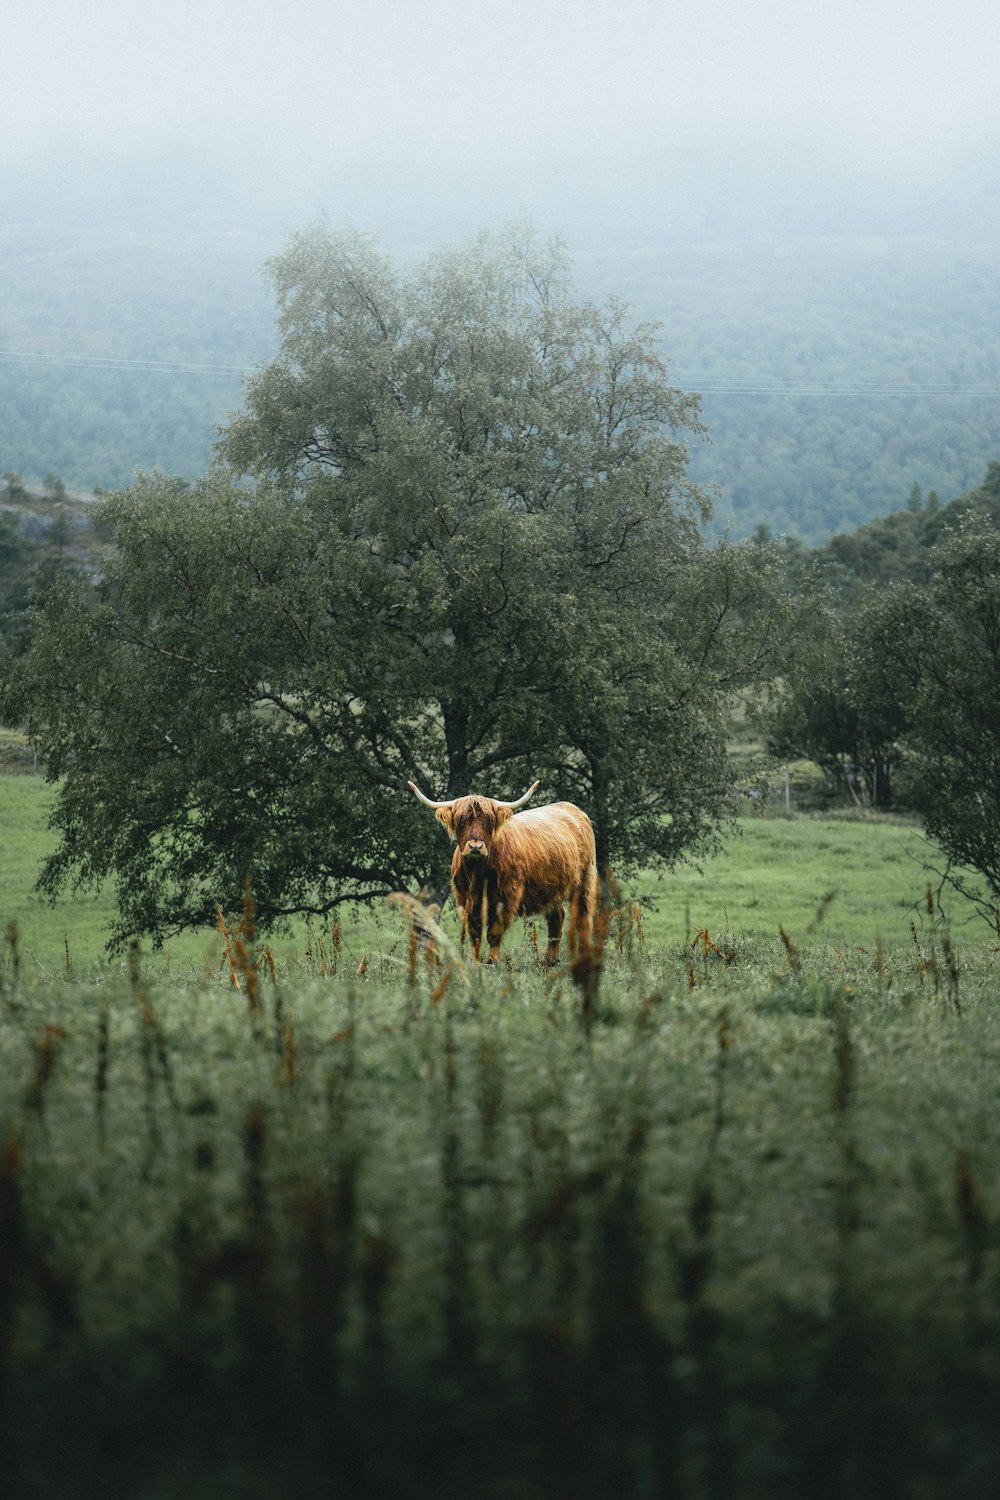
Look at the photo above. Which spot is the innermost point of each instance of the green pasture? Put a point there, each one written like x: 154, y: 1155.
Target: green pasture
x: 716, y: 1220
x: 777, y: 872
x: 726, y: 1229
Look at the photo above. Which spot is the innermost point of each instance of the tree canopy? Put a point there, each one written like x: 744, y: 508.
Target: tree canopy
x: 821, y: 717
x: 930, y: 656
x: 450, y: 537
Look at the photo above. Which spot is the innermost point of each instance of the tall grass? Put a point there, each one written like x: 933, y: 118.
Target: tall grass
x: 722, y: 1224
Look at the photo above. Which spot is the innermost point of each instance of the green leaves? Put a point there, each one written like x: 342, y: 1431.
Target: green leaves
x: 933, y: 656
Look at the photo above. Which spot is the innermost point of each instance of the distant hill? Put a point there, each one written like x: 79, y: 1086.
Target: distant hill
x: 836, y: 373
x: 895, y: 548
x: 43, y: 532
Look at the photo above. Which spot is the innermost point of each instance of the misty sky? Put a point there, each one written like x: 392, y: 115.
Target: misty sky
x: 160, y: 149
x: 511, y: 71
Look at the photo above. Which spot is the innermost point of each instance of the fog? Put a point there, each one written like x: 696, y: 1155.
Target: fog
x: 449, y: 70
x: 805, y: 197
x: 623, y: 193
x: 423, y: 119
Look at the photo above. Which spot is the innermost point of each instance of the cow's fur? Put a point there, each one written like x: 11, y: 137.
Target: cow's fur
x: 521, y: 864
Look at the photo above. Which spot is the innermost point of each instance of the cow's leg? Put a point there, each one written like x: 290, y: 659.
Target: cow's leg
x: 472, y: 918
x: 554, y: 922
x: 506, y: 898
x: 474, y: 933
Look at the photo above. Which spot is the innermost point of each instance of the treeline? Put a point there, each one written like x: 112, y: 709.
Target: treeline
x: 835, y: 371
x: 892, y: 687
x: 826, y: 714
x: 124, y: 352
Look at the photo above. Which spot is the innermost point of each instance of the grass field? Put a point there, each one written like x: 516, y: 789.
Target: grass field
x: 776, y: 872
x: 724, y: 1227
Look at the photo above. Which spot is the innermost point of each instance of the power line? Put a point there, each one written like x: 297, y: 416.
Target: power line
x: 111, y: 362
x: 705, y: 388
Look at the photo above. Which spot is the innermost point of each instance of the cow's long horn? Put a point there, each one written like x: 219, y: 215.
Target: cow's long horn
x: 426, y: 800
x: 521, y: 800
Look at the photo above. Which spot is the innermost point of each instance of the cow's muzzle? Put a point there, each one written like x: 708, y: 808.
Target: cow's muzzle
x: 475, y: 849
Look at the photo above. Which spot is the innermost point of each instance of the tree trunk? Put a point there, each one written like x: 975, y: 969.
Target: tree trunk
x: 455, y: 714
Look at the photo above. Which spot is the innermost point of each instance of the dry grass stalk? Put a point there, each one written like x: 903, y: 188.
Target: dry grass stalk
x: 20, y: 1262
x: 794, y: 958
x: 15, y: 963
x: 239, y: 950
x: 976, y: 1238
x: 438, y: 993
x: 951, y: 964
x: 246, y: 949
x: 972, y: 1217
x: 378, y: 1257
x: 587, y: 949
x: 921, y: 960
x: 824, y: 906
x: 228, y: 951
x: 425, y: 931
x: 628, y: 926
x: 287, y: 1055
x: 706, y: 944
x: 153, y: 1038
x: 247, y: 960
x: 45, y: 1066
x: 412, y: 946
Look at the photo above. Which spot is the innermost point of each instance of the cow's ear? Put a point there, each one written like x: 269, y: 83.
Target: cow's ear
x: 444, y: 817
x: 502, y: 814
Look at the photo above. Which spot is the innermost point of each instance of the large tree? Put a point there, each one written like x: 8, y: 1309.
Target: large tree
x: 451, y: 538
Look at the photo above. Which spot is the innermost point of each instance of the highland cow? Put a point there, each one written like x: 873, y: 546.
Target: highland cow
x: 509, y: 864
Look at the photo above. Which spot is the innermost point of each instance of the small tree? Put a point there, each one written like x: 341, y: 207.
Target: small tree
x: 14, y: 489
x: 931, y: 655
x: 821, y: 716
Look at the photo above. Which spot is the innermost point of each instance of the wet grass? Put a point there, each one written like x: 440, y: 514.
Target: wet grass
x: 434, y: 1231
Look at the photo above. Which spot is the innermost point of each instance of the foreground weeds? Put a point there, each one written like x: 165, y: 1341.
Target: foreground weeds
x: 722, y: 1225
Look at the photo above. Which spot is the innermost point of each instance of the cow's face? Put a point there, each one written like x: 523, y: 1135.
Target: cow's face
x: 473, y: 823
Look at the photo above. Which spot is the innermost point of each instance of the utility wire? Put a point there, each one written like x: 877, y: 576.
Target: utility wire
x: 111, y: 362
x: 705, y: 388
x: 841, y: 390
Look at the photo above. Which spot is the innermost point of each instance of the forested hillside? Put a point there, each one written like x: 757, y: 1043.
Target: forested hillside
x: 124, y: 352
x: 836, y: 373
x: 895, y: 548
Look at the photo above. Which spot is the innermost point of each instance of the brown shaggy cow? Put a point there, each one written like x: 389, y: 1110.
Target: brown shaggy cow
x: 511, y: 864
